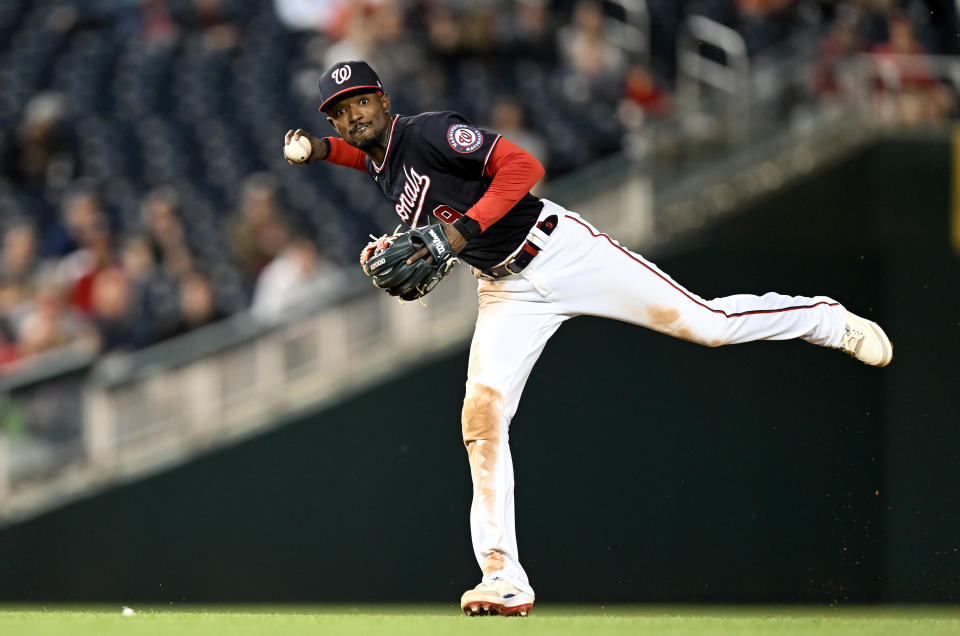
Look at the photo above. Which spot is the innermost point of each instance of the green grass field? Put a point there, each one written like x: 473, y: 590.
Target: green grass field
x: 435, y: 619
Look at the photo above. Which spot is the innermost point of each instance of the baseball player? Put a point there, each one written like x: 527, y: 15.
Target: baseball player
x: 465, y: 193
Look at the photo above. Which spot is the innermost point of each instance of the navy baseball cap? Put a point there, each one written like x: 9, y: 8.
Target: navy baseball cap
x: 354, y: 76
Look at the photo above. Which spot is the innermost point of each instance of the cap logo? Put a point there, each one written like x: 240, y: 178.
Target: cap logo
x: 464, y: 138
x: 342, y: 74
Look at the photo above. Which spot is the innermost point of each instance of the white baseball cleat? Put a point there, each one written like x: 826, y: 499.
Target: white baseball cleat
x: 496, y: 596
x: 866, y: 341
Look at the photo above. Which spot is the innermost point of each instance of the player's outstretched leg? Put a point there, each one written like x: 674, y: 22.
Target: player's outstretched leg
x: 513, y: 325
x: 590, y: 273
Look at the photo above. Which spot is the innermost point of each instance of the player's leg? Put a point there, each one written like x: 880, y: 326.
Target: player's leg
x: 513, y: 325
x: 590, y: 273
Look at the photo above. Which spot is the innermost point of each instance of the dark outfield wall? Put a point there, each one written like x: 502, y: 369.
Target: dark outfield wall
x: 648, y: 469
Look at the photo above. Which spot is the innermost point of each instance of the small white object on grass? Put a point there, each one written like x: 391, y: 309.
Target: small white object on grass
x: 128, y: 611
x: 298, y: 150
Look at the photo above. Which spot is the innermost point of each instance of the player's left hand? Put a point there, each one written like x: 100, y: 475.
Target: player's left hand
x: 396, y: 264
x: 453, y: 236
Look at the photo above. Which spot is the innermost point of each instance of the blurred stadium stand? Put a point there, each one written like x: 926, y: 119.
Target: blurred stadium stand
x: 652, y: 118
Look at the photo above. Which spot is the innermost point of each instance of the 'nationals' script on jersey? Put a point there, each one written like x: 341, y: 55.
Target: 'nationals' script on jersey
x: 434, y: 170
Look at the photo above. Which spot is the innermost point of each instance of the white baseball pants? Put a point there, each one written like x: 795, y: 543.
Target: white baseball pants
x: 581, y: 271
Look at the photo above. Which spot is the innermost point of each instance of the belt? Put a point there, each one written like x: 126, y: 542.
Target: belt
x: 535, y: 242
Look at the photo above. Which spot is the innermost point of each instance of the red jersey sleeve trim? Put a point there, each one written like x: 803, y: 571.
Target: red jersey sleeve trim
x: 343, y: 154
x: 514, y: 172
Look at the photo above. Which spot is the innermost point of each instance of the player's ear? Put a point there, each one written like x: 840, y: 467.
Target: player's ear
x: 385, y: 102
x: 330, y: 121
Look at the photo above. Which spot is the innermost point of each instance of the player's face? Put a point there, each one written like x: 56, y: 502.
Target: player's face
x: 362, y: 120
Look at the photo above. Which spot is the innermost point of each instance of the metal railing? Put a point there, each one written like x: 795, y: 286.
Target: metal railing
x: 696, y: 68
x: 632, y: 34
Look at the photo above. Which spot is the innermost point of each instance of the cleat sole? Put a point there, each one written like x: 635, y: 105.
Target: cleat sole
x: 493, y: 609
x: 519, y: 610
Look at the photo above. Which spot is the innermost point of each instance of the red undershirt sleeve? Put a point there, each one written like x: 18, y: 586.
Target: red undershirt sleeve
x: 343, y: 154
x: 514, y: 172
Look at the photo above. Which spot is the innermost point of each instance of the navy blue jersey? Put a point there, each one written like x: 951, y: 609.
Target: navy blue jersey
x: 433, y: 170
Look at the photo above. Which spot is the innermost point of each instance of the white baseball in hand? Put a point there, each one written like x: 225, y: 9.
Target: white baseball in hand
x: 298, y: 150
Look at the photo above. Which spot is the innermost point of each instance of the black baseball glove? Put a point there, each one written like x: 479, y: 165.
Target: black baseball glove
x: 385, y: 261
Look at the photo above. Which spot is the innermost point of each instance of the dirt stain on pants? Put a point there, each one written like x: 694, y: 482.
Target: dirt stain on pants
x: 481, y: 421
x: 493, y: 563
x: 669, y: 321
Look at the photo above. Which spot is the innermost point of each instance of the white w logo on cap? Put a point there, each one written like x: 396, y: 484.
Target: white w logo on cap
x: 341, y: 74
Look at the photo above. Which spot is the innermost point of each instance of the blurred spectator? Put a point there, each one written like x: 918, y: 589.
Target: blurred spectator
x: 12, y: 295
x: 298, y: 275
x: 530, y: 34
x: 113, y: 314
x: 157, y: 264
x: 48, y: 321
x: 138, y: 258
x: 80, y: 269
x: 593, y: 63
x: 257, y: 230
x: 14, y: 306
x: 197, y: 305
x: 154, y: 287
x: 642, y: 101
x: 40, y: 332
x: 152, y: 296
x: 8, y: 353
x: 842, y: 42
x: 40, y: 154
x: 159, y: 214
x: 643, y: 92
x: 80, y: 211
x: 18, y: 260
x: 909, y: 91
x: 901, y: 41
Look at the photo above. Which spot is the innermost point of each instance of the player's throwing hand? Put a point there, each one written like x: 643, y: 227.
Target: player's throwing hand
x: 298, y: 141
